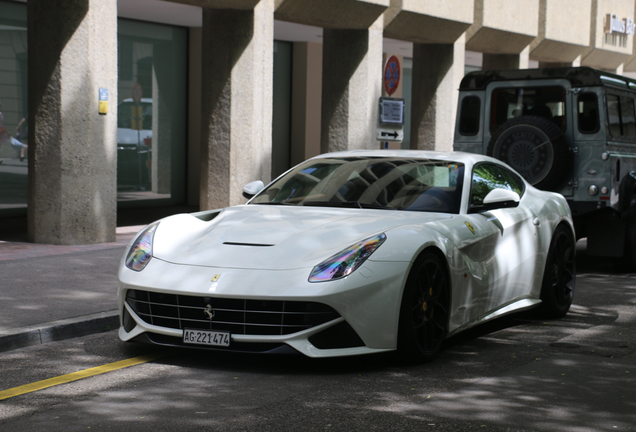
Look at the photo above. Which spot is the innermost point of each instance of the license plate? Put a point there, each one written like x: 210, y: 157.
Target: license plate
x: 205, y: 337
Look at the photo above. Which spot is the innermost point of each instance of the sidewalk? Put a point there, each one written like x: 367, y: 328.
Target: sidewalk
x: 50, y: 292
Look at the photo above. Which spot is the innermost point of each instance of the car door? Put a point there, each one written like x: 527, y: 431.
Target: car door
x: 507, y: 253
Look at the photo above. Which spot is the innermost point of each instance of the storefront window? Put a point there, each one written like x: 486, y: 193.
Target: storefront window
x: 13, y: 109
x: 151, y: 126
x: 151, y: 122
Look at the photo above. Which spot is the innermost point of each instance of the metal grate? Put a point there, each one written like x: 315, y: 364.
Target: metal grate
x: 238, y: 316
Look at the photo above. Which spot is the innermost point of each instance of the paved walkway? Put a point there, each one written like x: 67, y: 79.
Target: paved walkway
x: 50, y: 292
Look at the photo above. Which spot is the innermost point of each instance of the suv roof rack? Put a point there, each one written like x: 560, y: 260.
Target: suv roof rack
x: 578, y: 77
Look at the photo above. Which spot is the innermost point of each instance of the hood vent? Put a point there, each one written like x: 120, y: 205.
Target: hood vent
x: 247, y: 244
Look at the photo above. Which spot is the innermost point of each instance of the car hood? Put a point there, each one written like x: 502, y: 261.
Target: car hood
x: 273, y: 237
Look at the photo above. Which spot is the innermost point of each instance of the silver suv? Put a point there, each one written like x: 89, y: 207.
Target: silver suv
x: 567, y: 130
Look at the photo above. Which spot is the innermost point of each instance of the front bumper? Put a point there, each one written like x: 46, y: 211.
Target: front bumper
x: 365, y: 305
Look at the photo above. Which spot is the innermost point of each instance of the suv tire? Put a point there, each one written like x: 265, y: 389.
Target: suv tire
x: 535, y: 148
x: 628, y: 261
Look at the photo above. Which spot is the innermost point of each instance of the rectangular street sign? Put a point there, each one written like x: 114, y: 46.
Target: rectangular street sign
x: 390, y: 135
x: 391, y: 111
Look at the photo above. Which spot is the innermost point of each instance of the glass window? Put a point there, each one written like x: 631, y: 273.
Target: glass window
x: 469, y: 115
x: 487, y: 177
x: 509, y: 103
x: 151, y: 129
x: 620, y: 115
x: 151, y: 122
x: 13, y: 109
x: 587, y: 111
x: 370, y: 182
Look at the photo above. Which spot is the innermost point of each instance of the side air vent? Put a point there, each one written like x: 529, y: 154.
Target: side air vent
x: 207, y: 215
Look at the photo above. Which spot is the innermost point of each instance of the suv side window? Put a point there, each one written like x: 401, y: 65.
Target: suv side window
x: 469, y: 116
x: 587, y: 111
x: 620, y: 114
x: 487, y: 177
x: 545, y: 102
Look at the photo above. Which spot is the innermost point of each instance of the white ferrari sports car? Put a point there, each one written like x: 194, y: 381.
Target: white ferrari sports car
x: 352, y: 253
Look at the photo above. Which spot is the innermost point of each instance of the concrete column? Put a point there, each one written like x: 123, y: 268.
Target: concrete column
x: 507, y: 61
x: 351, y: 86
x: 620, y: 69
x: 236, y: 120
x: 437, y: 72
x: 306, y: 101
x: 72, y: 148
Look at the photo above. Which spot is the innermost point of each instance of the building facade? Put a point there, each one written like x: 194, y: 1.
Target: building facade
x: 108, y: 104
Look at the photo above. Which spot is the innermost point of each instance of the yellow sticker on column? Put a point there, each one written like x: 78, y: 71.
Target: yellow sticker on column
x: 103, y: 101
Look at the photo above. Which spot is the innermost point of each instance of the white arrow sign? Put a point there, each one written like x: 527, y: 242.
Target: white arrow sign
x: 391, y: 135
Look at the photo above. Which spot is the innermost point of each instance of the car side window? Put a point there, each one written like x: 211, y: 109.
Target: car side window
x: 620, y: 114
x: 469, y: 116
x: 487, y: 177
x: 587, y: 111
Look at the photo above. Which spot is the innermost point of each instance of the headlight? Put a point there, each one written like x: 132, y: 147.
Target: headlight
x: 141, y: 250
x: 346, y: 262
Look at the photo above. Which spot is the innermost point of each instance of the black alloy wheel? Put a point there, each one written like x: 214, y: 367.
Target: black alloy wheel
x: 424, y: 311
x: 559, y: 278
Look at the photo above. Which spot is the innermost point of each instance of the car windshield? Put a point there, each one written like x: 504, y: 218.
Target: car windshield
x: 370, y: 182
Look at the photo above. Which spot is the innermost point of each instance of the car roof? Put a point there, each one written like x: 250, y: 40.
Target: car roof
x: 578, y: 77
x: 466, y: 158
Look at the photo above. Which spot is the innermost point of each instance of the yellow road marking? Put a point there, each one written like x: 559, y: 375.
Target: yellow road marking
x: 40, y: 385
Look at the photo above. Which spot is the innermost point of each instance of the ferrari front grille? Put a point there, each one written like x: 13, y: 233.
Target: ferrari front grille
x: 238, y: 316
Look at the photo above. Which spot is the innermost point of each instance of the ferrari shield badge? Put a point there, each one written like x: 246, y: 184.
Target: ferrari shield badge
x: 214, y: 282
x: 470, y: 227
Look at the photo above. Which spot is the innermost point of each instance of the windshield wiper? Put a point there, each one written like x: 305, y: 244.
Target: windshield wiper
x: 274, y: 203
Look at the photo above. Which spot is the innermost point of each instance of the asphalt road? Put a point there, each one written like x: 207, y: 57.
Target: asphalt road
x: 519, y: 373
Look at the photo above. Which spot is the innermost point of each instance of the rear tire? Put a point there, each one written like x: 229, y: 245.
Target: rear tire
x: 424, y: 311
x: 559, y: 277
x: 628, y: 262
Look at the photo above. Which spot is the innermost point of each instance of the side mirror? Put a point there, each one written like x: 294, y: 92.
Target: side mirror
x: 251, y: 189
x: 496, y: 199
x: 502, y: 197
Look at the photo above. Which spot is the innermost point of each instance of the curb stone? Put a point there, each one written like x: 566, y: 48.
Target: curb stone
x: 59, y: 330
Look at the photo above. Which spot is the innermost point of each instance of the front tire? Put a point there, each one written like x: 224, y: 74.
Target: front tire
x: 424, y: 311
x: 559, y: 277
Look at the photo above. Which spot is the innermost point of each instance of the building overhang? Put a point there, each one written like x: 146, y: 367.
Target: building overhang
x: 334, y: 14
x: 428, y: 22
